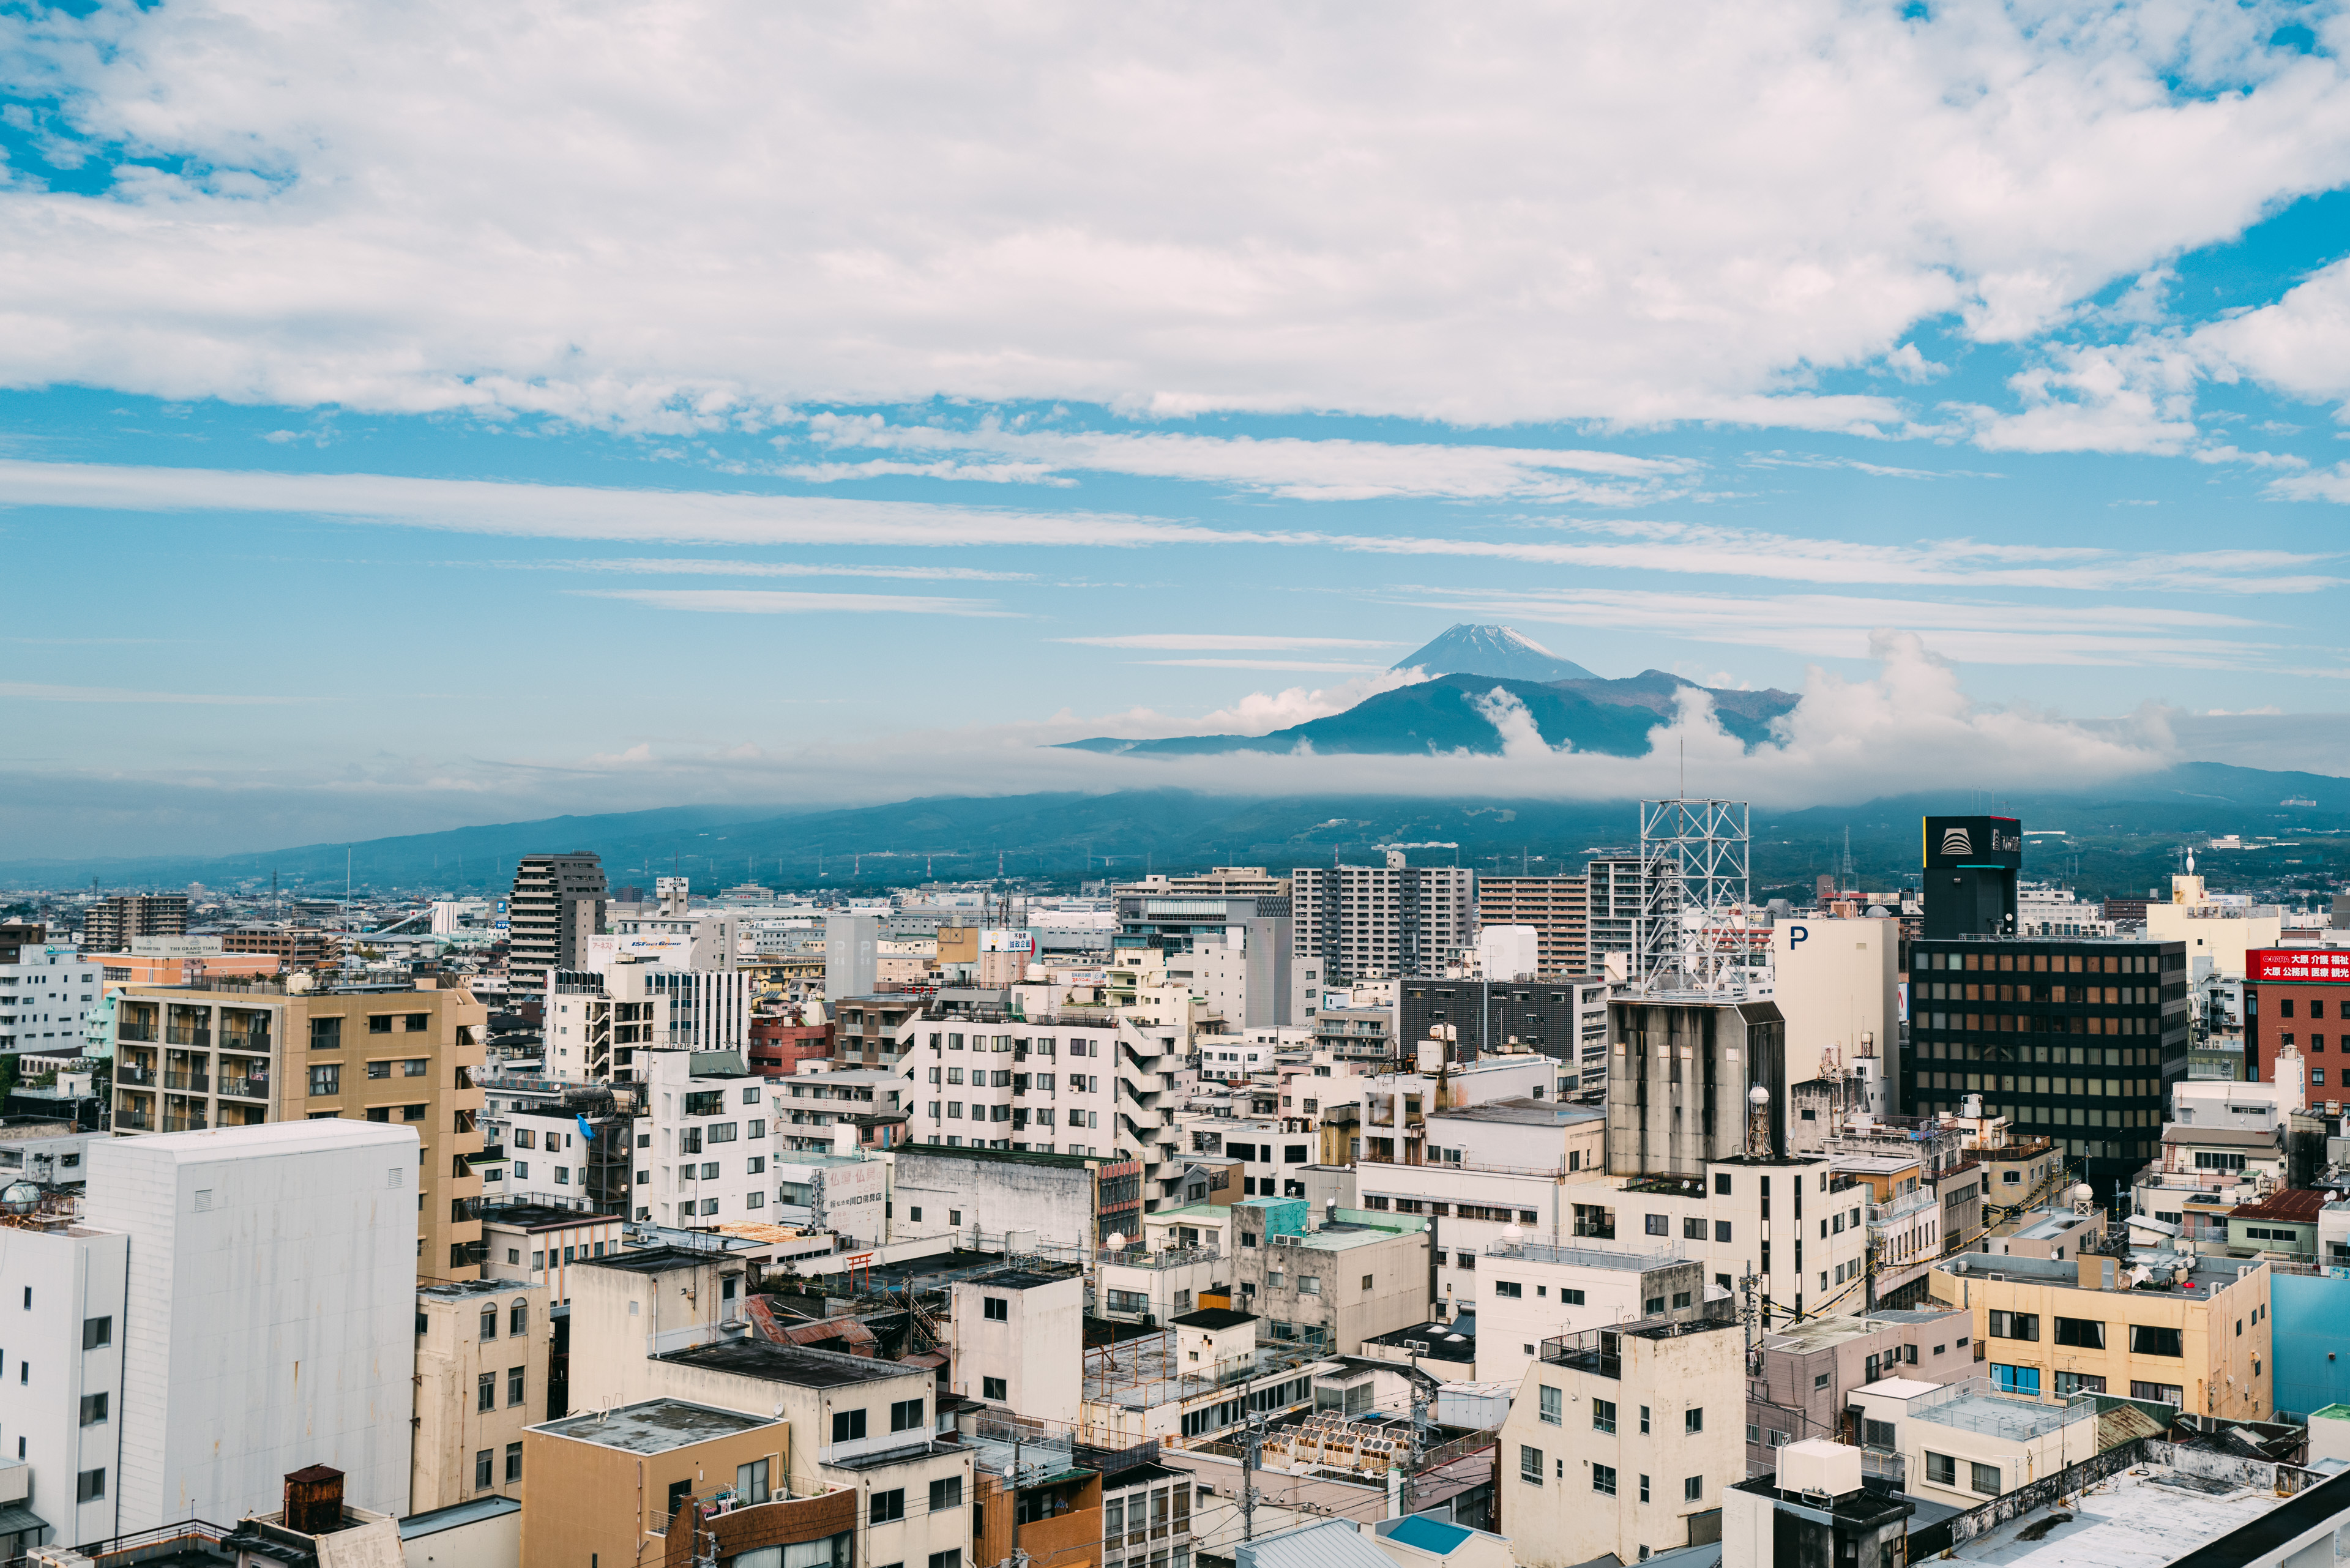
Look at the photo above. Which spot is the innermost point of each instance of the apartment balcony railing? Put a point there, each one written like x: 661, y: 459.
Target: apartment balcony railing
x: 136, y: 1121
x: 142, y: 1076
x: 1593, y: 1350
x: 254, y: 1088
x: 197, y: 1081
x: 181, y: 1034
x: 133, y: 1030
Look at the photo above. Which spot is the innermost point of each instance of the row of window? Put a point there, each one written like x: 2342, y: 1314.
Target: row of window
x: 1019, y: 1083
x: 1041, y: 1045
x: 1023, y: 1115
x: 905, y: 1416
x: 2087, y: 1333
x: 712, y: 1102
x: 2037, y: 1023
x: 485, y: 1389
x: 484, y: 1460
x: 326, y: 1033
x: 2045, y: 963
x: 2026, y: 1380
x: 1603, y: 1477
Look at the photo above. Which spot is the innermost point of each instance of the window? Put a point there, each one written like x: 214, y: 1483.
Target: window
x: 97, y: 1332
x: 2071, y: 1383
x: 1591, y: 1220
x: 485, y: 1391
x: 483, y: 1462
x: 2147, y: 1340
x: 513, y: 1462
x: 887, y: 1506
x: 1644, y: 1421
x: 905, y: 1415
x: 2083, y: 1333
x: 1986, y: 1479
x: 848, y: 1426
x: 1652, y: 1305
x: 1569, y: 1297
x: 2160, y: 1393
x: 93, y: 1409
x: 951, y: 1557
x: 1510, y: 1288
x: 1820, y: 1381
x: 1530, y: 1465
x: 997, y: 1309
x: 514, y: 1386
x: 325, y: 1078
x: 2014, y: 1324
x: 517, y: 1315
x: 1693, y: 1420
x: 379, y: 1022
x: 2015, y: 1379
x: 1659, y: 1225
x: 1551, y: 1405
x: 379, y: 1069
x: 490, y: 1323
x: 1603, y: 1415
x: 325, y: 1033
x: 1941, y: 1468
x: 1602, y: 1479
x: 1693, y: 1488
x: 89, y: 1486
x: 946, y: 1493
x: 993, y: 1388
x: 1875, y: 1434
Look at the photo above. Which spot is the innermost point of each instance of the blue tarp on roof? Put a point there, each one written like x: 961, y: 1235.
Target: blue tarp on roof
x: 1428, y: 1534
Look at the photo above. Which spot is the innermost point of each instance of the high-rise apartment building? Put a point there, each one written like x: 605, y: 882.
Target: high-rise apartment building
x: 556, y: 905
x: 1377, y: 922
x: 1557, y: 908
x: 242, y: 1053
x: 108, y: 926
x: 1615, y: 890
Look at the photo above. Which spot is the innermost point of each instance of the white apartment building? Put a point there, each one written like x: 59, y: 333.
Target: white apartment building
x: 703, y: 1146
x: 1487, y: 1168
x: 62, y: 1418
x: 1393, y: 1107
x: 1017, y: 1341
x: 2044, y: 910
x: 2218, y: 927
x: 686, y: 937
x: 1228, y: 1058
x: 1041, y: 1089
x: 1376, y: 922
x: 1272, y: 1152
x: 597, y: 1020
x: 46, y: 999
x: 1620, y: 1437
x: 1800, y: 1229
x: 816, y: 1109
x: 1534, y: 1292
x: 271, y: 1293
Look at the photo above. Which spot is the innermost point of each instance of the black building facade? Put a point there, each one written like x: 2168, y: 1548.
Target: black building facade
x: 1552, y: 1015
x: 2074, y: 1039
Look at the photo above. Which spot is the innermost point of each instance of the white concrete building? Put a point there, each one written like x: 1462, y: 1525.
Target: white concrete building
x: 46, y: 999
x: 1272, y: 1152
x: 1393, y: 1107
x: 1018, y: 1341
x: 272, y: 1291
x: 1534, y: 1292
x: 711, y: 1145
x: 2220, y: 928
x: 816, y: 1108
x: 62, y: 1417
x: 1509, y: 952
x: 1039, y: 1088
x: 1836, y: 981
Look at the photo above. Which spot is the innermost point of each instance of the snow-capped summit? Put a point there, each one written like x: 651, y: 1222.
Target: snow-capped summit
x: 1499, y: 650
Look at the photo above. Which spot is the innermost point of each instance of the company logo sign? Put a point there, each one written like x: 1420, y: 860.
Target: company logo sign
x: 1995, y: 841
x: 1957, y: 841
x: 2308, y: 966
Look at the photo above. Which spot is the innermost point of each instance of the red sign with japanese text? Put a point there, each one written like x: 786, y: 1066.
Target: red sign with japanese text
x: 2306, y: 966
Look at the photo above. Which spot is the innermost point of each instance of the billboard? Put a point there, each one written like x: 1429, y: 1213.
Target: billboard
x: 849, y: 1197
x: 1007, y: 942
x: 1957, y: 841
x: 2304, y: 966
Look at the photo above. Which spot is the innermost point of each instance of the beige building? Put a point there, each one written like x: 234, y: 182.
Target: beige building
x: 1328, y: 1282
x: 1621, y: 1440
x: 1962, y: 1443
x: 481, y: 1378
x: 610, y: 1483
x: 2194, y: 1333
x: 242, y: 1053
x: 1557, y: 908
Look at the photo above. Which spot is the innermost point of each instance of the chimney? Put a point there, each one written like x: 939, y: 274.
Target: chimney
x: 314, y: 1500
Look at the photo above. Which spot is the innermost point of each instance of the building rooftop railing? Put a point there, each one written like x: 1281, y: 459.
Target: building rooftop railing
x: 1589, y: 1257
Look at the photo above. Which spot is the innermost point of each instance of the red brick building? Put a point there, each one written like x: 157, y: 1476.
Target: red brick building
x: 780, y: 1047
x: 2299, y: 997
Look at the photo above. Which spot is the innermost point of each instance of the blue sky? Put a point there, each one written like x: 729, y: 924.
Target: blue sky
x: 467, y: 414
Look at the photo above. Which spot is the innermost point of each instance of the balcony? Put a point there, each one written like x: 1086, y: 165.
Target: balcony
x: 136, y: 1029
x: 255, y: 1087
x: 141, y: 1076
x: 196, y: 1083
x: 135, y: 1121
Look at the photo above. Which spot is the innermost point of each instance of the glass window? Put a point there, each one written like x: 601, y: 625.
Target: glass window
x: 1986, y: 1479
x: 1551, y: 1406
x: 2147, y: 1340
x: 1603, y: 1415
x: 1530, y: 1465
x: 1941, y: 1468
x: 1602, y: 1479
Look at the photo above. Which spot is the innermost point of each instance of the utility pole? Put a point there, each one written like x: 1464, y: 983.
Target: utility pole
x: 1248, y: 1481
x: 1014, y: 1560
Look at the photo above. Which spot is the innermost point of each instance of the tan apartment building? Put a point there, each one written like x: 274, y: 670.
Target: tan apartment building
x: 242, y: 1053
x: 2194, y: 1333
x: 481, y: 1348
x: 610, y: 1483
x: 1557, y: 908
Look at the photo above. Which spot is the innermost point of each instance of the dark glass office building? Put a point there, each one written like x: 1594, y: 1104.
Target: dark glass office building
x: 2072, y: 1039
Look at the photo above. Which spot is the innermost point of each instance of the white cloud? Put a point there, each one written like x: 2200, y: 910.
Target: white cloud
x: 1831, y: 626
x: 2300, y: 344
x: 1172, y: 640
x: 23, y: 692
x: 768, y: 601
x: 1287, y: 467
x: 1298, y: 664
x: 689, y: 217
x: 690, y: 568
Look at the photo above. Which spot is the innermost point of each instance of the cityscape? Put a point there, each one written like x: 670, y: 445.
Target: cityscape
x: 1541, y: 786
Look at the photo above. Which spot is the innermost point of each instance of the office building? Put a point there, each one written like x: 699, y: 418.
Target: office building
x: 1971, y: 863
x: 244, y: 1052
x: 271, y: 1292
x: 17, y: 935
x: 482, y: 1359
x: 557, y: 903
x: 851, y: 955
x: 2297, y: 1003
x: 2193, y: 1332
x: 1557, y: 908
x: 1616, y: 892
x: 600, y: 1024
x: 1621, y: 1440
x: 1804, y: 1374
x: 1377, y: 922
x: 294, y: 947
x: 1563, y: 1017
x: 2075, y: 1040
x: 1237, y: 953
x: 108, y: 925
x: 1532, y: 1290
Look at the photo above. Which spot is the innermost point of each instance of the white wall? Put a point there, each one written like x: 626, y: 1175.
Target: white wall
x: 50, y: 1280
x: 1037, y: 1347
x: 1834, y: 981
x: 272, y: 1270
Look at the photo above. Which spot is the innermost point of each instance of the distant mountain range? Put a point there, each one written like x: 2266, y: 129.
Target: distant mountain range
x: 1459, y: 714
x: 1467, y: 649
x: 2120, y: 837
